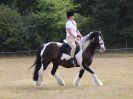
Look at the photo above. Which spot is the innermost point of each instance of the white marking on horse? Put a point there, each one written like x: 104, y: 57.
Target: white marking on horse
x: 59, y: 79
x: 102, y: 47
x: 77, y: 80
x: 96, y: 80
x: 65, y: 56
x: 83, y: 45
x: 86, y: 45
x: 40, y: 72
x: 59, y: 44
x: 79, y: 58
x: 40, y: 76
x: 42, y: 52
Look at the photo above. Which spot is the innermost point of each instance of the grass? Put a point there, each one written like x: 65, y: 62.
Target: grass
x: 114, y: 70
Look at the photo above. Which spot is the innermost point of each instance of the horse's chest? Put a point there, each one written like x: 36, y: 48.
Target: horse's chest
x: 87, y: 61
x: 79, y: 57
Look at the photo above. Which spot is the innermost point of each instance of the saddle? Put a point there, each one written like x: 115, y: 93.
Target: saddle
x: 65, y: 48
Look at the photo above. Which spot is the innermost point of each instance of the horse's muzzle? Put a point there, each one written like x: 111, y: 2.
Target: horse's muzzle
x: 102, y: 50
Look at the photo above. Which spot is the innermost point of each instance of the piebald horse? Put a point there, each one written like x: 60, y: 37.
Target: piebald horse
x: 51, y: 53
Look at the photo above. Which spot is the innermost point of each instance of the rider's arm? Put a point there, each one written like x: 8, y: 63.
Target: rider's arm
x: 69, y: 31
x: 79, y: 34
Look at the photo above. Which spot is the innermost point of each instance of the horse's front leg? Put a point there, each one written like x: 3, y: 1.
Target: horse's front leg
x: 78, y: 77
x: 81, y: 72
x: 96, y: 80
x: 56, y: 75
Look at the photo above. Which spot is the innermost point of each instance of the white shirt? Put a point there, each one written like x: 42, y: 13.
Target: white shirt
x: 73, y: 26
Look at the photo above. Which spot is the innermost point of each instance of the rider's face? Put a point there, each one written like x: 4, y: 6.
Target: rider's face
x: 71, y: 18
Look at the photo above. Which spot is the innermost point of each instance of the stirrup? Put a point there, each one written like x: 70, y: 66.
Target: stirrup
x: 73, y: 61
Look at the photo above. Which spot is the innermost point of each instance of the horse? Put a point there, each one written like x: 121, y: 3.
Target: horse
x: 52, y: 53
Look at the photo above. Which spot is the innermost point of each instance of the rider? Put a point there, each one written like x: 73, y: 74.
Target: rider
x: 72, y: 34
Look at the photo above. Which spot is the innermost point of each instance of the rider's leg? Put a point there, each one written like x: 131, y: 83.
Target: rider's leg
x: 73, y: 46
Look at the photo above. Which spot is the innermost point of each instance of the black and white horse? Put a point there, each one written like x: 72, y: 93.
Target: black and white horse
x: 51, y: 52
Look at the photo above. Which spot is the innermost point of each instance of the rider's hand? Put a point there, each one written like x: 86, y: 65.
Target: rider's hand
x: 77, y: 38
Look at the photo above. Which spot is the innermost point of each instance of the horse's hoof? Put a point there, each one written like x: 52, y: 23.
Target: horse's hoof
x: 99, y: 84
x: 38, y: 84
x: 76, y: 84
x: 61, y: 83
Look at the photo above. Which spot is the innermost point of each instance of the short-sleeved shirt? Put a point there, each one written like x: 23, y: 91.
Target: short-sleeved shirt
x: 73, y: 26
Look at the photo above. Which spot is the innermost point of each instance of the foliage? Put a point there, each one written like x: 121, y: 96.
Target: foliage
x: 27, y: 24
x: 10, y: 26
x: 50, y: 17
x: 113, y: 17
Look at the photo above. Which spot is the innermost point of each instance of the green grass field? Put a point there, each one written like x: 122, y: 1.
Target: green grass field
x: 114, y: 70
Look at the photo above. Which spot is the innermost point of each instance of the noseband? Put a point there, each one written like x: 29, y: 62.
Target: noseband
x: 100, y: 43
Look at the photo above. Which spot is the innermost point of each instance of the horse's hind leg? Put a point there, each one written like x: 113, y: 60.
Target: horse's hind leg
x: 40, y: 76
x: 94, y: 76
x: 44, y: 65
x: 56, y: 75
x: 78, y: 77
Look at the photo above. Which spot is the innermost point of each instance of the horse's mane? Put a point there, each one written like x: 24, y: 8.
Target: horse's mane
x: 86, y: 40
x: 87, y: 36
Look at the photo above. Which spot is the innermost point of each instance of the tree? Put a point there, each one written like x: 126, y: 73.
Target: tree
x: 9, y: 28
x: 26, y: 7
x: 113, y: 17
x: 50, y: 18
x: 25, y: 25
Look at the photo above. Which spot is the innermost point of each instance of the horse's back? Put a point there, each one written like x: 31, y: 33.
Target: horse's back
x: 51, y: 49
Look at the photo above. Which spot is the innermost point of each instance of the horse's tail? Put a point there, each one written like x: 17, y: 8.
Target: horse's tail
x: 37, y: 64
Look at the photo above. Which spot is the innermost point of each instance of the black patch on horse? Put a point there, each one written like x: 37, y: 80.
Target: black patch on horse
x: 65, y: 48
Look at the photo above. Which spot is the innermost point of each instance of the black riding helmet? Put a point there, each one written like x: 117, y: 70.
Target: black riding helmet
x: 70, y: 14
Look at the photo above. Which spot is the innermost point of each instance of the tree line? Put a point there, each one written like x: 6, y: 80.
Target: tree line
x: 26, y: 24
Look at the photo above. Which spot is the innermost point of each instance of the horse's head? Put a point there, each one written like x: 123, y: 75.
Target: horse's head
x: 97, y: 38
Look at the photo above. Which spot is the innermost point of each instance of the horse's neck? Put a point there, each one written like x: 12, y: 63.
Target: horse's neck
x: 88, y: 47
x: 91, y: 48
